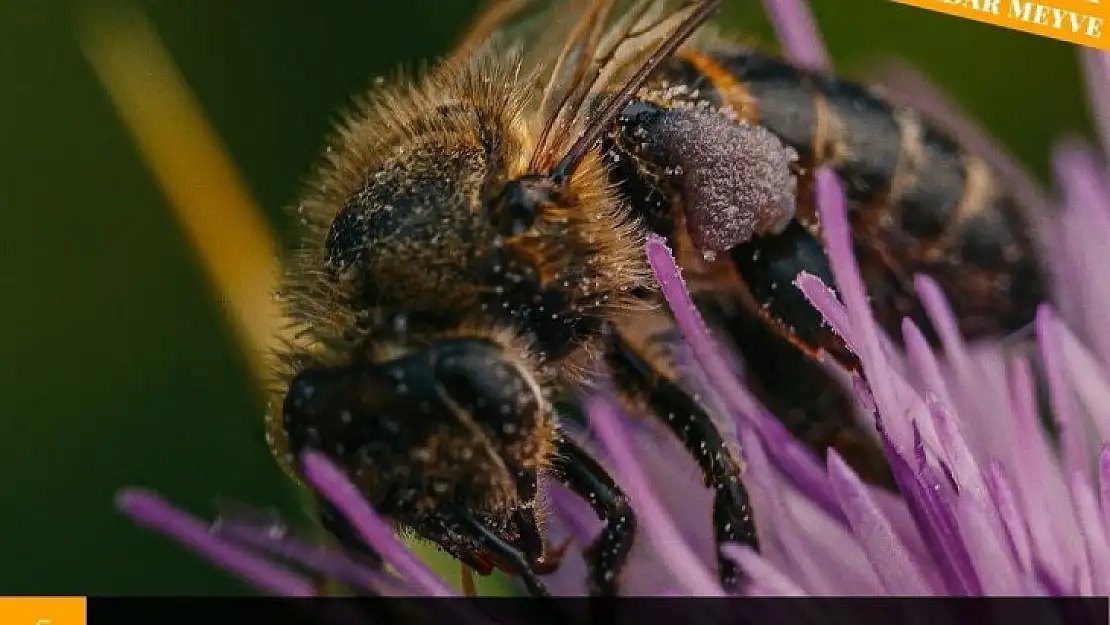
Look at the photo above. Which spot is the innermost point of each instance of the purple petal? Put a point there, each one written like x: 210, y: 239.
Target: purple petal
x: 865, y: 333
x: 1089, y: 380
x: 924, y: 361
x: 1063, y: 405
x: 653, y: 517
x: 957, y: 455
x: 333, y: 564
x: 152, y: 511
x: 678, y: 484
x: 797, y: 33
x: 997, y: 572
x: 801, y: 466
x: 934, y: 520
x: 1104, y: 484
x: 824, y: 299
x: 944, y: 320
x: 330, y: 482
x: 1042, y: 486
x: 762, y: 571
x: 583, y: 525
x: 970, y: 383
x: 888, y: 555
x: 1085, y: 230
x: 1050, y: 581
x: 820, y: 553
x: 1098, y: 548
x: 1017, y: 530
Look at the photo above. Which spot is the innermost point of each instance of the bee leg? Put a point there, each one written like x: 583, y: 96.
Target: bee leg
x: 542, y: 560
x: 736, y: 180
x: 812, y: 405
x: 506, y: 554
x: 768, y: 266
x: 585, y: 477
x: 733, y: 522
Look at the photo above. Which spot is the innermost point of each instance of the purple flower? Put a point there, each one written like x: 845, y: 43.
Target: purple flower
x: 989, y: 505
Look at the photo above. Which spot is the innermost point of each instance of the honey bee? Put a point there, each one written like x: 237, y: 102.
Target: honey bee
x: 474, y: 250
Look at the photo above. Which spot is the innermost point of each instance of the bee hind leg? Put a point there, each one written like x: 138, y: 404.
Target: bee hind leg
x: 585, y: 477
x: 639, y: 378
x: 768, y: 267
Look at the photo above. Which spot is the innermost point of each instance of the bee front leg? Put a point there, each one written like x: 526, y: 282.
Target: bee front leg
x: 585, y: 477
x: 643, y: 378
x: 525, y: 518
x: 508, y: 556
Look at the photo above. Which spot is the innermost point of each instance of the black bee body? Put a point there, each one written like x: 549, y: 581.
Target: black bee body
x: 474, y: 252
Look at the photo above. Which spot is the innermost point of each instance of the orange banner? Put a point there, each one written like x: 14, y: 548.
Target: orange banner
x: 43, y: 610
x: 1081, y: 22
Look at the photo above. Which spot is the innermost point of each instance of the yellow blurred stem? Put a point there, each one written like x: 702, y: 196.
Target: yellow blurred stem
x: 222, y: 221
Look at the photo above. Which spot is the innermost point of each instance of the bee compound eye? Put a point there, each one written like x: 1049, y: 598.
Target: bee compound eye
x: 478, y: 378
x: 340, y: 410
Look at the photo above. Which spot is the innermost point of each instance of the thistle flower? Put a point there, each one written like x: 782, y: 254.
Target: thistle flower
x: 989, y: 504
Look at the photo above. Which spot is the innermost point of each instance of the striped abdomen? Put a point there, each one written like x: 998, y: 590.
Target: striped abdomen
x: 918, y: 202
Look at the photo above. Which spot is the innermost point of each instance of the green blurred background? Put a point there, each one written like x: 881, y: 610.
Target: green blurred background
x: 118, y: 366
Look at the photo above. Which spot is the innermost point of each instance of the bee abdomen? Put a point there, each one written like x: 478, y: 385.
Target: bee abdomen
x: 919, y: 203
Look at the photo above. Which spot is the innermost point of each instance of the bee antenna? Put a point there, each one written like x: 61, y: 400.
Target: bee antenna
x: 566, y: 166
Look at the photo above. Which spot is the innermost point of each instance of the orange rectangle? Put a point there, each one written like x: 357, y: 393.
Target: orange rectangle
x: 43, y: 610
x: 1081, y: 22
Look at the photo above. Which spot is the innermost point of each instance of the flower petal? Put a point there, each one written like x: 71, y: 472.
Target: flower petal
x: 1043, y: 493
x: 997, y: 572
x: 797, y: 33
x: 892, y: 396
x: 1074, y: 450
x: 824, y: 299
x: 333, y: 485
x: 1084, y: 230
x: 934, y: 520
x: 888, y: 554
x: 762, y: 571
x: 152, y: 511
x: 278, y: 540
x: 819, y: 552
x: 957, y: 454
x: 1104, y: 484
x: 1089, y: 379
x: 923, y: 362
x: 1017, y: 530
x: 1098, y: 547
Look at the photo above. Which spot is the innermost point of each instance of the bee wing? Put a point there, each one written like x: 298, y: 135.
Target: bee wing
x: 589, y: 57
